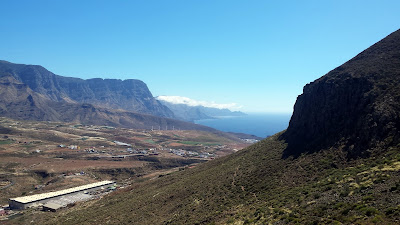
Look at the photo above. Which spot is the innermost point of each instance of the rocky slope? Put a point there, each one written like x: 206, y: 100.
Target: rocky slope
x: 355, y: 106
x: 130, y: 95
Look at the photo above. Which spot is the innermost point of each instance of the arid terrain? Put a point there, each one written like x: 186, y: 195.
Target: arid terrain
x: 38, y: 157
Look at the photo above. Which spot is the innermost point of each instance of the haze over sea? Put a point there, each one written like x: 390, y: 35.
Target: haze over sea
x: 259, y: 124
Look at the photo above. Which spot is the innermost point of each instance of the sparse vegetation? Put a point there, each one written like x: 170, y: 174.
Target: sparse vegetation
x: 256, y: 186
x: 43, y: 156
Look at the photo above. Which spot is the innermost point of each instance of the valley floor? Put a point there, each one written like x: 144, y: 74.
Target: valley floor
x: 254, y: 186
x: 39, y: 157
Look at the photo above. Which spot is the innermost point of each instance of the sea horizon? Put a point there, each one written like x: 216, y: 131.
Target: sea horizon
x: 258, y: 124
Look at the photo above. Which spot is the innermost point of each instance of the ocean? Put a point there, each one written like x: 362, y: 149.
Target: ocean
x: 261, y: 125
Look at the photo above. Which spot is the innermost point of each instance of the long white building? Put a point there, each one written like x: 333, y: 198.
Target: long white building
x: 39, y: 199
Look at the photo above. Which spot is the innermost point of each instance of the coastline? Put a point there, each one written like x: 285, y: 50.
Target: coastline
x: 259, y: 124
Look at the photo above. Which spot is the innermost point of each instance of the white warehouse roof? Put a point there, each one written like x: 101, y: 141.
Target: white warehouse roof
x: 38, y: 197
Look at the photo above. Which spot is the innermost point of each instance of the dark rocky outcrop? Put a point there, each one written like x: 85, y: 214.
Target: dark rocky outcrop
x: 131, y: 95
x: 355, y: 107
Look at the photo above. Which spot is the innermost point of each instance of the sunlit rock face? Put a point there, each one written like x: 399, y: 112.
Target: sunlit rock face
x: 132, y: 95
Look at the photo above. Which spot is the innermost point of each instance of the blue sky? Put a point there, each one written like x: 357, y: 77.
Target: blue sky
x: 257, y: 54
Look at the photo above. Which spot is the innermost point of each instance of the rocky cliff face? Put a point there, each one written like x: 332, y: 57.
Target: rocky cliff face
x: 19, y: 101
x: 355, y: 107
x: 131, y: 95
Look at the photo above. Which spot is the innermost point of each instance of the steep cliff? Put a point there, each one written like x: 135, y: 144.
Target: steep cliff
x: 355, y: 107
x: 131, y: 95
x: 19, y: 101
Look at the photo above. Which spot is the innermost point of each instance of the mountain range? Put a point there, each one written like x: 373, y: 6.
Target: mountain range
x: 337, y: 163
x: 31, y: 92
x: 131, y: 95
x: 191, y: 113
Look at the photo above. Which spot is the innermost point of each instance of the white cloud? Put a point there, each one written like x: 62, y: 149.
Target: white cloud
x: 192, y: 102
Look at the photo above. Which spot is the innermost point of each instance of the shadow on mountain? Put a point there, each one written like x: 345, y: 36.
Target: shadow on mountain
x: 355, y: 107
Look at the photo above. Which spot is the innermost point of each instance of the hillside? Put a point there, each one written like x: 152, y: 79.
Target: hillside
x: 346, y: 170
x: 131, y: 95
x: 253, y: 186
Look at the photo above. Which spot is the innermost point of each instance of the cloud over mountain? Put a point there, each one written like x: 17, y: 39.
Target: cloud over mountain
x: 192, y: 102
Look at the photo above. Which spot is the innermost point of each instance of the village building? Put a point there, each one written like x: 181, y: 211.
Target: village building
x: 52, y: 207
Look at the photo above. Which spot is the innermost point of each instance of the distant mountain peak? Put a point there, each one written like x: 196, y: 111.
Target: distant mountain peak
x: 189, y: 110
